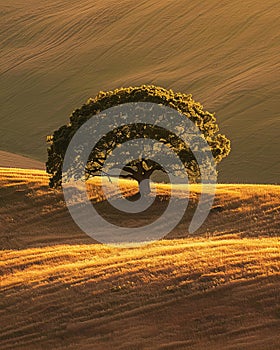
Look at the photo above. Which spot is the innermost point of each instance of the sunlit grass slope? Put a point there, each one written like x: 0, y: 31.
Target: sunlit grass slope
x: 56, y: 54
x: 186, y: 294
x: 60, y: 290
x: 31, y: 214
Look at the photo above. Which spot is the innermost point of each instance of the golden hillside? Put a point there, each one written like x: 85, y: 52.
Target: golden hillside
x: 56, y: 54
x: 216, y: 290
x: 28, y: 205
x: 190, y: 294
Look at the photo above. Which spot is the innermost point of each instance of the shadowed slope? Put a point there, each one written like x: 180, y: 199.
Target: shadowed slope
x: 57, y: 54
x: 31, y: 214
x: 12, y: 160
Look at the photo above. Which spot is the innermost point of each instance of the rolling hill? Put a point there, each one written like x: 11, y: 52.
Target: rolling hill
x: 11, y: 160
x: 218, y: 289
x: 57, y: 54
x: 32, y: 215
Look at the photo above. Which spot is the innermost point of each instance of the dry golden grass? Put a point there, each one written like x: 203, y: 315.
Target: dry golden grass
x: 216, y: 290
x: 27, y: 205
x: 190, y: 294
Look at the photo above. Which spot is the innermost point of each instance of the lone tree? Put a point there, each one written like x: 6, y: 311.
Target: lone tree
x: 141, y: 168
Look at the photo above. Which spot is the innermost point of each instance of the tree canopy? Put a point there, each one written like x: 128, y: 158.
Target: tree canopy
x: 141, y: 168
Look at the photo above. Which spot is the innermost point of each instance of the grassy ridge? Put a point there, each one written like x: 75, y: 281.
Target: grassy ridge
x: 12, y: 160
x: 28, y: 205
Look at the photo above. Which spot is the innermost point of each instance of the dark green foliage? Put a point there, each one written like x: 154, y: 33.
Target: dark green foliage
x: 141, y: 168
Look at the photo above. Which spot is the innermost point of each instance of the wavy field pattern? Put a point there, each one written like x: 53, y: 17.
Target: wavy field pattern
x: 59, y: 289
x: 56, y: 54
x: 190, y: 294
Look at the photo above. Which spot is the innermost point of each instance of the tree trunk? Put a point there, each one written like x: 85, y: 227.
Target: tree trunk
x: 144, y: 187
x: 142, y: 176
